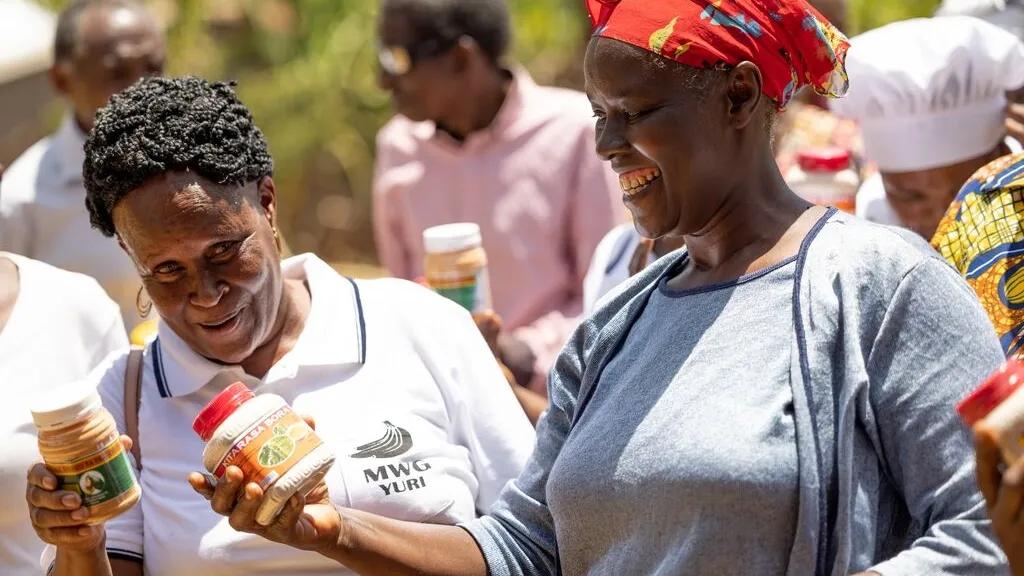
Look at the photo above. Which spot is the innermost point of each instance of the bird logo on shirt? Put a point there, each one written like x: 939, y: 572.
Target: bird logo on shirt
x: 395, y: 442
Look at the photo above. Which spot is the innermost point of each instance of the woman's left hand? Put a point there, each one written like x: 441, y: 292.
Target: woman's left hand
x: 308, y: 523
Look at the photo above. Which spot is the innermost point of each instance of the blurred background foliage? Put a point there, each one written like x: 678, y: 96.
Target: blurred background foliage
x: 307, y: 69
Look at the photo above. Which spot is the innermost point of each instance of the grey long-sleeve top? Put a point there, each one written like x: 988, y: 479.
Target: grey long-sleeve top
x: 887, y: 338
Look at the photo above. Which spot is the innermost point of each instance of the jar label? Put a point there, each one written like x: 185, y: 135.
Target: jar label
x: 97, y: 478
x: 270, y: 447
x: 470, y: 292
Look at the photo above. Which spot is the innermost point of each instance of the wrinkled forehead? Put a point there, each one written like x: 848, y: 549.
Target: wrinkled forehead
x: 615, y: 69
x: 174, y: 204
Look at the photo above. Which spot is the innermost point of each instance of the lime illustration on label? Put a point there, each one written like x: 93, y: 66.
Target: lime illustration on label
x: 279, y: 447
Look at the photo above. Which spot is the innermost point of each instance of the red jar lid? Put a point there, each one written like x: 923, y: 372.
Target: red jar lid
x: 218, y: 410
x: 998, y: 387
x: 824, y: 159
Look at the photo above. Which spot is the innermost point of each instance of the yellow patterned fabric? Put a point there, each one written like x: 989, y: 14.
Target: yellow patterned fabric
x: 982, y: 236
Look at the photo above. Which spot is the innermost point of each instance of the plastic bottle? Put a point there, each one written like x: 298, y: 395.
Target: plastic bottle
x: 825, y: 176
x: 267, y: 440
x: 80, y: 444
x: 996, y: 409
x: 456, y: 265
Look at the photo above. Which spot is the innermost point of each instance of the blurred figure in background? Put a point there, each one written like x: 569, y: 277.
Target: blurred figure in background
x: 55, y: 327
x: 1007, y: 14
x: 807, y: 121
x: 929, y: 95
x: 101, y: 47
x: 477, y: 141
x: 621, y: 254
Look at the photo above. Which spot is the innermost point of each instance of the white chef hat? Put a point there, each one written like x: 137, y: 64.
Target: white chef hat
x: 1007, y: 14
x: 930, y: 92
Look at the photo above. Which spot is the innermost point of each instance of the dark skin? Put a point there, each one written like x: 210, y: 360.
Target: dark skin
x: 116, y: 46
x: 1015, y: 114
x: 921, y: 198
x: 1004, y: 497
x: 711, y: 208
x: 461, y: 90
x: 208, y: 258
x: 742, y: 220
x: 646, y: 247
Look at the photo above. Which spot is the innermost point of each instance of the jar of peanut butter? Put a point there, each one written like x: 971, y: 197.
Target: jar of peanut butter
x: 80, y: 444
x: 455, y: 265
x: 262, y: 436
x: 996, y: 409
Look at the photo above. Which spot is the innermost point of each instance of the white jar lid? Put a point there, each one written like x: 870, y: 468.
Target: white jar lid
x: 451, y: 237
x: 65, y: 405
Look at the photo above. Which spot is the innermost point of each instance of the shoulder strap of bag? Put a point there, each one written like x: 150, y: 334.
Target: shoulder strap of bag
x: 132, y: 387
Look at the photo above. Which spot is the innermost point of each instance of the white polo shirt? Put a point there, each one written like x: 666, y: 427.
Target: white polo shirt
x: 371, y: 352
x: 61, y: 327
x: 43, y: 216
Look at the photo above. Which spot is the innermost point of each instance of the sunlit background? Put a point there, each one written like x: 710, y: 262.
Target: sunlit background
x: 307, y: 70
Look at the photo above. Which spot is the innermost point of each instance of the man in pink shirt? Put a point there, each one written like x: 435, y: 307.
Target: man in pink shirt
x: 476, y: 142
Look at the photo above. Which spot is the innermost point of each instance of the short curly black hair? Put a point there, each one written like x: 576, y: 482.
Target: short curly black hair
x: 169, y: 124
x: 485, y: 21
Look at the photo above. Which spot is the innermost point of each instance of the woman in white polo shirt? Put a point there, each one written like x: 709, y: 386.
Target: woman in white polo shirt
x: 55, y: 326
x: 176, y: 169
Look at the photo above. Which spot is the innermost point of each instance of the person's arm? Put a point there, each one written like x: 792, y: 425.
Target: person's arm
x: 933, y: 346
x: 388, y: 225
x: 363, y: 542
x: 484, y: 413
x: 1004, y: 498
x: 517, y: 537
x: 76, y: 549
x: 594, y: 208
x: 113, y: 337
x: 533, y: 404
x: 15, y: 227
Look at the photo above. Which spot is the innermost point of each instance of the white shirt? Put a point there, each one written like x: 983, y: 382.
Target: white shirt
x: 43, y: 216
x: 61, y: 327
x: 370, y: 352
x: 610, y: 265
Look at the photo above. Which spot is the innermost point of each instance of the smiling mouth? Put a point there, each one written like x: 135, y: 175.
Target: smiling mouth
x: 636, y: 181
x: 222, y: 324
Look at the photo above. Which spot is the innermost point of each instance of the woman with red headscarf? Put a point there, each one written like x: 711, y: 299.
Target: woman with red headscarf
x: 776, y: 399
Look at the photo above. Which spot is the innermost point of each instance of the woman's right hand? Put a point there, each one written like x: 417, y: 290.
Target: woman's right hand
x: 58, y: 516
x: 1004, y: 496
x: 307, y: 523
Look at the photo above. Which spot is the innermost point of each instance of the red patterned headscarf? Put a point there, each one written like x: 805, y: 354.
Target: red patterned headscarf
x: 790, y: 41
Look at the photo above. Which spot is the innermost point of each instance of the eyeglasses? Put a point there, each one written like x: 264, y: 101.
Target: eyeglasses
x: 399, y: 60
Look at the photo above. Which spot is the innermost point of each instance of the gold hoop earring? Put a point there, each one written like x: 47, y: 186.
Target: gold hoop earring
x: 143, y: 310
x: 277, y: 239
